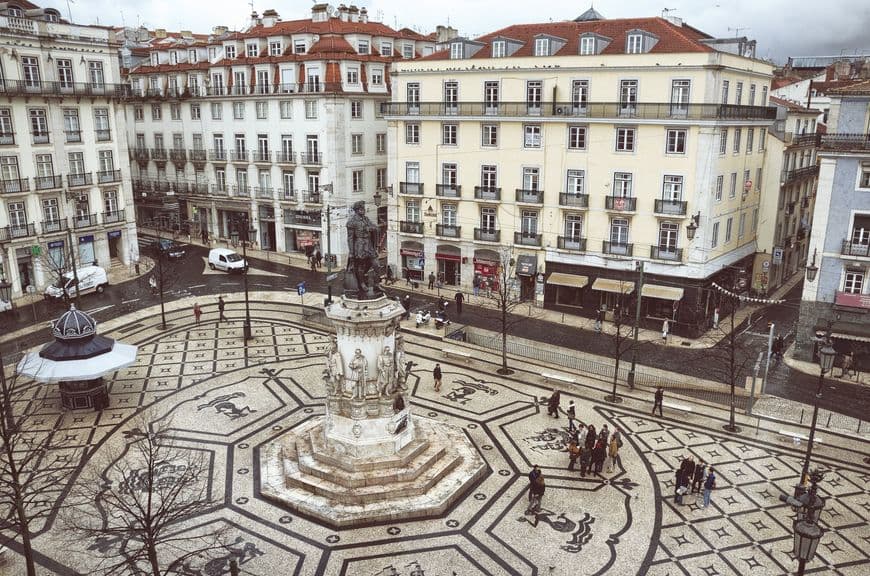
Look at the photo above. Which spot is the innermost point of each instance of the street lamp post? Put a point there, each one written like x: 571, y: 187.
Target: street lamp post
x: 246, y: 327
x: 807, y: 532
x: 826, y: 362
x: 631, y: 373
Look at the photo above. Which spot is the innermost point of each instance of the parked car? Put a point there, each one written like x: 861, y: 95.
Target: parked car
x: 170, y: 248
x: 90, y: 279
x: 226, y: 260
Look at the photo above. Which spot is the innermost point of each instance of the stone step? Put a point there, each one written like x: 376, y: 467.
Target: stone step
x: 350, y: 464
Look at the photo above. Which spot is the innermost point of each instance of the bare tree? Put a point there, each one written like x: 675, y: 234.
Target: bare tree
x: 621, y: 339
x: 130, y: 503
x: 164, y: 277
x: 26, y: 476
x: 507, y: 301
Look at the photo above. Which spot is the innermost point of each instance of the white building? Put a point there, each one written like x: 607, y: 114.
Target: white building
x: 64, y: 176
x: 274, y: 126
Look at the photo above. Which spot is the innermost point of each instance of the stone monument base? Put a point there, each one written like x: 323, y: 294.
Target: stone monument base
x: 303, y: 472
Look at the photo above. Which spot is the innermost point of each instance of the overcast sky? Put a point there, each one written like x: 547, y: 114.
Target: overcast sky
x: 782, y: 27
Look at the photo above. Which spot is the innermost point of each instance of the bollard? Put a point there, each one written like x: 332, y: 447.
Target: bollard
x: 829, y: 419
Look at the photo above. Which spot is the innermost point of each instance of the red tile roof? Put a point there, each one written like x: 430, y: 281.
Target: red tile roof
x: 332, y: 44
x: 330, y: 26
x: 671, y: 38
x: 855, y: 87
x: 793, y: 106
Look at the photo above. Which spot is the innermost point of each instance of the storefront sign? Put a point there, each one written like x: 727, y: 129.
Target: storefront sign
x: 86, y: 239
x: 114, y: 234
x: 303, y: 217
x: 409, y: 252
x: 852, y: 300
x: 777, y: 255
x: 305, y: 238
x: 55, y: 244
x: 451, y: 257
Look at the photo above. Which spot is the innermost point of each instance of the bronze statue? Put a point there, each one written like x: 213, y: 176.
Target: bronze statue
x: 362, y: 261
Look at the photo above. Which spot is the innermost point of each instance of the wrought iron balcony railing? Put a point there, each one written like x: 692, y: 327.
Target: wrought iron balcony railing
x: 527, y: 239
x: 571, y: 243
x: 573, y: 200
x: 855, y: 249
x: 620, y: 203
x: 487, y: 193
x: 617, y: 248
x: 413, y: 188
x: 527, y: 196
x: 407, y: 227
x: 670, y: 253
x: 448, y: 231
x: 671, y: 207
x: 487, y: 234
x: 448, y: 190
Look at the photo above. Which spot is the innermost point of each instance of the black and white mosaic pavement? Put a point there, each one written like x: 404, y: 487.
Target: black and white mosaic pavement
x: 226, y: 400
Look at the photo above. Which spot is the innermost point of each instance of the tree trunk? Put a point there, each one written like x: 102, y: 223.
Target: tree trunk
x: 25, y: 538
x: 504, y: 365
x: 152, y: 559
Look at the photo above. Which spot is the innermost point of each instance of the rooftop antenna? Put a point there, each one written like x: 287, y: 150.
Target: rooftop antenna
x: 123, y: 22
x: 68, y: 11
x: 737, y: 30
x: 667, y: 11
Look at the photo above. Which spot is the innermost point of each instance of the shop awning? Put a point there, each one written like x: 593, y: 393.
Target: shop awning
x: 527, y: 265
x: 851, y: 331
x: 570, y: 280
x: 610, y: 285
x: 663, y: 292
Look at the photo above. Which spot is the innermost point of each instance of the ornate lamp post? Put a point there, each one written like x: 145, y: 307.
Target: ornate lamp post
x: 826, y: 363
x: 248, y: 233
x: 807, y: 532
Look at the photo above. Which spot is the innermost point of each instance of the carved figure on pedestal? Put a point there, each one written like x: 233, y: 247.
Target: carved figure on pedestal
x: 357, y: 377
x: 334, y: 368
x: 403, y: 368
x: 385, y: 371
x: 362, y: 261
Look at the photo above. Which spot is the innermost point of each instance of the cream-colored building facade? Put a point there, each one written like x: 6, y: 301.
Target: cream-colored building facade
x: 583, y: 148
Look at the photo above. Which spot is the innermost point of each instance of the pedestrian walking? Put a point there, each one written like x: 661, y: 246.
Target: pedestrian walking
x: 312, y: 261
x: 599, y: 318
x: 553, y: 403
x: 436, y: 375
x: 679, y: 488
x: 459, y: 298
x: 407, y: 276
x: 709, y: 485
x: 221, y: 306
x: 585, y: 461
x: 580, y: 434
x: 848, y: 366
x: 536, y: 494
x: 431, y: 280
x: 572, y: 414
x: 197, y: 311
x: 204, y: 236
x: 665, y: 328
x: 698, y: 479
x: 591, y: 437
x: 318, y: 258
x: 659, y: 398
x: 573, y: 454
x: 613, y: 451
x: 475, y: 285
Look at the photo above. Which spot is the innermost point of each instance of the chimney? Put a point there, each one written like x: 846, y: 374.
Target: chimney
x: 445, y: 33
x: 842, y: 70
x: 270, y: 18
x: 342, y: 12
x: 363, y: 15
x: 255, y: 19
x: 187, y: 34
x: 320, y: 13
x: 353, y: 13
x: 160, y: 33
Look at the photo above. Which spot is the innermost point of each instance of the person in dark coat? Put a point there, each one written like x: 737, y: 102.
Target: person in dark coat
x: 659, y: 398
x: 585, y: 461
x: 573, y: 454
x: 698, y: 479
x: 431, y: 280
x: 572, y: 415
x: 553, y: 403
x: 678, y: 484
x: 599, y: 453
x: 688, y: 468
x: 604, y: 435
x: 536, y: 494
x: 591, y: 437
x: 221, y: 306
x: 406, y: 303
x: 460, y: 298
x: 436, y: 375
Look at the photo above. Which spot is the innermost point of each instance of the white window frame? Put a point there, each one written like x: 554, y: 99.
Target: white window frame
x: 626, y: 139
x: 577, y: 137
x: 532, y: 136
x: 676, y: 141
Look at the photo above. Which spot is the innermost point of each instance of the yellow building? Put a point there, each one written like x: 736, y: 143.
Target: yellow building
x: 583, y: 148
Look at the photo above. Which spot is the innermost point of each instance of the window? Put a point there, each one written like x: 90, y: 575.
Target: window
x: 714, y: 241
x: 627, y: 97
x: 741, y: 228
x: 531, y: 178
x: 17, y: 215
x: 138, y: 113
x: 490, y: 97
x: 287, y: 181
x: 407, y: 50
x: 747, y: 182
x: 412, y: 91
x: 542, y: 46
x: 762, y: 139
x: 230, y: 51
x: 377, y: 77
x: 239, y: 83
x: 676, y: 142
x: 763, y: 96
x: 76, y: 162
x: 579, y: 95
x: 173, y: 57
x: 50, y: 210
x: 217, y: 83
x: 752, y: 94
x: 755, y: 220
x: 728, y: 226
x: 618, y: 232
x: 386, y: 48
x: 178, y: 141
x: 455, y: 51
x: 286, y: 109
x: 106, y: 161
x: 575, y: 183
x: 275, y: 48
x: 262, y: 109
x: 356, y: 109
x: 489, y: 176
x: 448, y: 215
x: 451, y: 97
x: 577, y: 137
x: 864, y: 179
x: 499, y: 49
x: 299, y: 47
x: 217, y: 110
x: 192, y: 56
x: 353, y: 75
x: 239, y: 110
x: 381, y: 178
x: 311, y: 109
x: 39, y: 125
x: 720, y: 185
x: 101, y: 124
x: 723, y: 140
x: 412, y: 133
x: 724, y: 91
x: 489, y: 134
x: 625, y: 139
x: 534, y: 94
x: 738, y: 133
x: 356, y: 181
x: 362, y: 46
x: 738, y: 93
x: 532, y: 136
x: 412, y: 210
x: 156, y: 112
x: 65, y: 73
x: 622, y: 184
x: 381, y: 143
x: 71, y: 125
x: 412, y: 172
x: 758, y: 173
x: 286, y: 147
x: 732, y: 192
x: 450, y: 134
x: 7, y: 132
x: 669, y: 233
x: 30, y: 67
x: 634, y: 45
x: 175, y: 111
x: 488, y: 219
x: 356, y: 144
x: 672, y: 188
x: 587, y: 45
x: 44, y: 166
x: 195, y: 112
x: 750, y: 140
x: 529, y: 223
x: 854, y: 282
x: 680, y: 96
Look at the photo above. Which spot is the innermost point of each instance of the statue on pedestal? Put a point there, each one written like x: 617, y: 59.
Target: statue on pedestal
x: 357, y: 377
x: 334, y: 368
x: 403, y: 368
x: 362, y: 261
x: 385, y: 372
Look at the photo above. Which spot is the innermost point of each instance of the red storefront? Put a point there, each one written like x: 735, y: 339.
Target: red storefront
x: 413, y: 260
x: 486, y: 264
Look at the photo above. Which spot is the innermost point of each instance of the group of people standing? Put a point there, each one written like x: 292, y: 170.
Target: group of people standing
x: 694, y: 478
x: 590, y: 447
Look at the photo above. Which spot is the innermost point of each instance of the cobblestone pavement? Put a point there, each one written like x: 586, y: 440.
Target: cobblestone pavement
x: 226, y: 399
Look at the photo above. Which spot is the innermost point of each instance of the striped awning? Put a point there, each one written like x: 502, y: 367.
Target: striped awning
x: 610, y: 285
x: 663, y: 292
x: 570, y: 280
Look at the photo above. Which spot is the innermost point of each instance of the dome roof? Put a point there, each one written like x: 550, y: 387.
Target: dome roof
x: 74, y: 324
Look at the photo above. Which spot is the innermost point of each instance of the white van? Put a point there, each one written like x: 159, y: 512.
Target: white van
x: 226, y: 260
x: 90, y: 279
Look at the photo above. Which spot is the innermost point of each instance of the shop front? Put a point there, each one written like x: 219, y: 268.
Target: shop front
x: 527, y: 268
x: 613, y: 294
x: 56, y: 256
x: 486, y: 263
x: 87, y: 251
x: 563, y: 289
x: 115, y: 247
x: 661, y: 302
x: 413, y: 260
x: 230, y: 221
x: 302, y: 230
x: 449, y: 261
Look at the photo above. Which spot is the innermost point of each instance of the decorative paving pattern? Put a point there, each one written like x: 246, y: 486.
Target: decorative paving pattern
x: 226, y: 400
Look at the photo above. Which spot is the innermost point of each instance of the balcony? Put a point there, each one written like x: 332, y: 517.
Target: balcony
x: 84, y: 220
x: 218, y: 156
x: 573, y: 200
x: 54, y: 226
x: 197, y: 156
x: 108, y: 176
x: 527, y: 239
x: 178, y: 157
x: 72, y: 136
x: 264, y: 192
x: 239, y: 156
x: 312, y: 159
x: 261, y: 157
x: 407, y: 227
x: 612, y: 110
x: 219, y: 190
x: 160, y: 185
x: 288, y: 195
x: 311, y: 197
x: 285, y: 157
x: 62, y: 88
x: 40, y: 137
x: 799, y: 173
x: 855, y: 249
x: 103, y: 135
x: 197, y: 189
x: 113, y: 216
x: 487, y: 235
x: 20, y: 231
x: 671, y: 207
x: 617, y: 248
x: 666, y: 253
x: 575, y: 243
x: 845, y: 142
x: 448, y: 190
x: 47, y: 182
x: 412, y: 188
x: 490, y: 193
x: 526, y: 196
x: 448, y: 231
x: 242, y: 190
x: 7, y: 138
x: 140, y: 155
x: 159, y: 154
x: 14, y: 186
x: 620, y: 203
x: 80, y: 180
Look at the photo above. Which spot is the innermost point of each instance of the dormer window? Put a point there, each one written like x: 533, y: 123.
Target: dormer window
x: 639, y: 42
x: 230, y: 51
x: 386, y: 48
x: 635, y: 44
x: 407, y: 51
x: 299, y: 47
x: 253, y: 50
x: 154, y: 58
x: 542, y: 46
x: 52, y: 15
x: 275, y: 48
x: 15, y: 12
x: 456, y: 51
x: 587, y: 45
x: 362, y: 46
x: 499, y: 49
x: 191, y: 56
